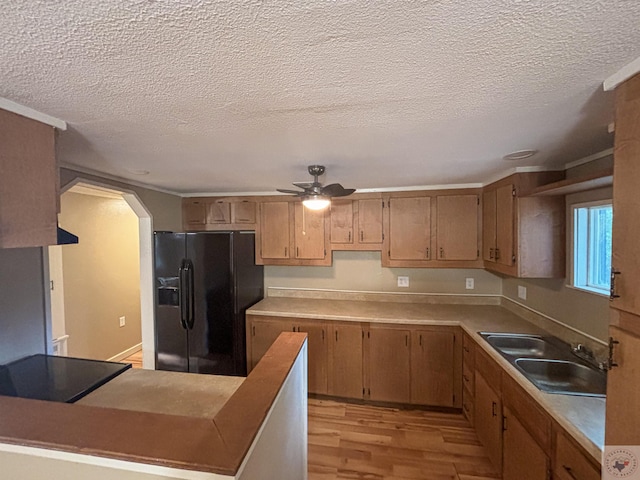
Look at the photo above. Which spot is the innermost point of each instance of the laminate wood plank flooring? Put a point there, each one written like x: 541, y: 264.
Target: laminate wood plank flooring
x: 134, y: 359
x: 350, y: 441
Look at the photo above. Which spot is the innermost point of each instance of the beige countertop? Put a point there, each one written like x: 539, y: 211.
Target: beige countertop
x: 172, y: 393
x: 582, y: 417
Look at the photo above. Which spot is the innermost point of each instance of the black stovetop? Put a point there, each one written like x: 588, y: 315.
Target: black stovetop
x: 59, y: 379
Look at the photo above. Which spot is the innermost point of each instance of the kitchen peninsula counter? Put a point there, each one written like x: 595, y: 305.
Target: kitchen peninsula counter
x: 582, y: 417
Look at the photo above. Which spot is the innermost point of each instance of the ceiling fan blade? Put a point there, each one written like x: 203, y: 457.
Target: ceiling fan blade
x: 292, y: 192
x: 304, y: 185
x: 337, y: 190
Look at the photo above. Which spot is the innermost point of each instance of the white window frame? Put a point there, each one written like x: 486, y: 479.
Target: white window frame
x: 578, y: 268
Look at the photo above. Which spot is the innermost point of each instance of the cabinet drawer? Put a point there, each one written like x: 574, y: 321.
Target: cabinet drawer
x: 468, y: 351
x: 468, y: 377
x: 468, y: 405
x: 570, y: 463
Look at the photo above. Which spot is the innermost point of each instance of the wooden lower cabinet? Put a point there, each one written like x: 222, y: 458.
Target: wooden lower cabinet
x: 389, y: 364
x: 522, y: 457
x: 345, y: 361
x: 434, y: 364
x: 262, y: 332
x: 488, y: 419
x: 317, y: 352
x: 570, y: 463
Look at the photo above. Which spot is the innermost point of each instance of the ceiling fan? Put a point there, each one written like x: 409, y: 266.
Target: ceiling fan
x: 313, y: 194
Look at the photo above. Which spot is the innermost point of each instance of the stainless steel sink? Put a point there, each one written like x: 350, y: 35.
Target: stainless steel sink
x: 548, y: 363
x: 562, y: 376
x: 520, y: 345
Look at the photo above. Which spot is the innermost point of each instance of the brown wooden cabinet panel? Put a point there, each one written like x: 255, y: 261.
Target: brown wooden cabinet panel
x: 626, y: 221
x: 503, y: 252
x: 274, y: 230
x: 318, y: 353
x: 262, y: 333
x: 488, y: 420
x: 457, y: 227
x: 243, y: 212
x: 370, y: 221
x: 433, y: 360
x: 194, y: 212
x: 341, y: 221
x: 570, y: 463
x: 389, y: 363
x: 218, y: 211
x: 309, y: 233
x: 523, y: 458
x: 410, y: 228
x: 345, y: 361
x: 29, y: 187
x: 489, y: 215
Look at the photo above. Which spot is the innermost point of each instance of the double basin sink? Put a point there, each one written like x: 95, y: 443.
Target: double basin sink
x: 549, y: 364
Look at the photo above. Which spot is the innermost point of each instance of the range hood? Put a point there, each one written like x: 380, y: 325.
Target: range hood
x: 65, y: 237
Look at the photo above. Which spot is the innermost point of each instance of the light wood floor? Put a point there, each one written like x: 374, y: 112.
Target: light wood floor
x: 135, y: 359
x: 348, y: 441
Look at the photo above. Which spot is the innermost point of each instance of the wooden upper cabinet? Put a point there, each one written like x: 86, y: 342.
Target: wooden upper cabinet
x: 370, y: 221
x: 524, y: 236
x: 356, y: 224
x: 194, y: 212
x: 457, y: 227
x: 274, y: 241
x: 28, y: 183
x: 341, y: 222
x: 218, y: 211
x: 626, y: 178
x: 409, y: 228
x: 309, y: 233
x: 243, y: 212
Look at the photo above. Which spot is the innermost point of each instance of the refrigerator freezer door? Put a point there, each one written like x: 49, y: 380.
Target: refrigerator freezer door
x: 211, y: 337
x: 171, y: 339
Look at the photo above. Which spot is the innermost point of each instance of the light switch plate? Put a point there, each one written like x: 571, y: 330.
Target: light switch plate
x: 522, y: 292
x: 403, y: 281
x: 470, y: 284
x: 123, y: 321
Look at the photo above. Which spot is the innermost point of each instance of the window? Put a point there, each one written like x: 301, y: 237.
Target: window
x: 592, y: 246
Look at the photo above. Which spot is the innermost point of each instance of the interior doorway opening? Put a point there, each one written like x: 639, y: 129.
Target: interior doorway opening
x: 91, y: 299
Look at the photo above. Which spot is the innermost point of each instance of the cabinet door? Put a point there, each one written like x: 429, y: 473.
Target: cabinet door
x: 389, y: 364
x: 345, y: 361
x: 410, y: 228
x: 341, y: 221
x: 523, y: 459
x: 570, y: 463
x: 263, y: 334
x: 504, y: 225
x: 457, y: 227
x: 488, y: 420
x: 309, y: 233
x: 317, y: 342
x: 218, y: 211
x: 243, y: 212
x: 623, y: 390
x: 194, y: 212
x: 432, y: 368
x: 626, y: 178
x: 370, y: 221
x: 274, y: 230
x: 489, y: 226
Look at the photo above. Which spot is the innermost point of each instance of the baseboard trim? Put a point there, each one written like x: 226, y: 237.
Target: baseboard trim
x: 126, y: 353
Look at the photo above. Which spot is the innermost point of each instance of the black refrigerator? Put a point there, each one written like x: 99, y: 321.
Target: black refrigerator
x: 204, y: 284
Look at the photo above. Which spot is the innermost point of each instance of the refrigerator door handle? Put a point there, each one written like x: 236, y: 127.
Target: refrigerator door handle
x: 182, y: 285
x: 191, y: 294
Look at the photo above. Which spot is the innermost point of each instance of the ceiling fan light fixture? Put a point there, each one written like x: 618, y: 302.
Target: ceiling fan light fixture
x: 316, y: 202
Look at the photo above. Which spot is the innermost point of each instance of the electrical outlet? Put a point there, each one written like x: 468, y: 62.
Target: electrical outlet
x: 123, y: 321
x: 470, y: 284
x: 522, y: 292
x: 403, y: 281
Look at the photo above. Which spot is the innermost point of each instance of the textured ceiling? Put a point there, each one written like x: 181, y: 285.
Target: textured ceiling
x: 224, y: 96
